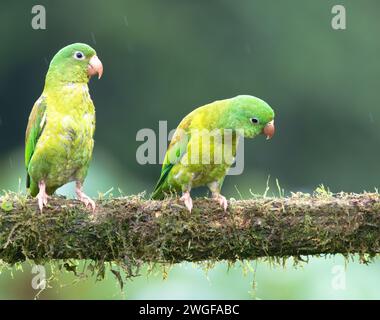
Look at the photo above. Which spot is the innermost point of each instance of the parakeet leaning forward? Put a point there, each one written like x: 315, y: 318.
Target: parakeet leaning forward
x: 59, y: 136
x: 203, y: 148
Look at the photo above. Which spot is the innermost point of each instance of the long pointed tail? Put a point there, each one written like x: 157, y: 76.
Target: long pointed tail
x: 157, y: 194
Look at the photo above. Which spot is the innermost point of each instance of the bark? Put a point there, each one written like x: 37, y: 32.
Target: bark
x: 133, y: 230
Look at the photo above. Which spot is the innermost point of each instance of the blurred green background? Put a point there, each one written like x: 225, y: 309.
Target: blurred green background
x: 164, y: 58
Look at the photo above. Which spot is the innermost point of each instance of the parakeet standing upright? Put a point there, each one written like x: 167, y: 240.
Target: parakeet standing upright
x: 191, y: 159
x: 59, y: 137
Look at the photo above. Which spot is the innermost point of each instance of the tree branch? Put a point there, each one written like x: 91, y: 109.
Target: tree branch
x: 133, y: 229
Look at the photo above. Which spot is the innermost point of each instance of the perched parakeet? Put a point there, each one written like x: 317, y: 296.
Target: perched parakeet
x: 59, y: 136
x: 191, y: 159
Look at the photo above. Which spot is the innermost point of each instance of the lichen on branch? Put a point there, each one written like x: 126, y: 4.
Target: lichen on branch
x: 130, y: 231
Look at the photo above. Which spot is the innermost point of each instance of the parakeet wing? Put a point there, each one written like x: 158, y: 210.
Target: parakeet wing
x: 174, y: 154
x: 36, y: 124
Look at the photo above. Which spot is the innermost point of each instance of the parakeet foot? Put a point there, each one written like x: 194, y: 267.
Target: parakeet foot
x: 88, y: 202
x: 42, y: 195
x: 221, y: 200
x: 186, y: 198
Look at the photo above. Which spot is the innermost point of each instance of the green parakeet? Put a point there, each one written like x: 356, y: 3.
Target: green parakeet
x: 198, y: 157
x: 59, y: 136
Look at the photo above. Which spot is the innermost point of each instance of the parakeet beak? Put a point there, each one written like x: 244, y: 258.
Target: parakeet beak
x: 95, y: 66
x: 269, y: 130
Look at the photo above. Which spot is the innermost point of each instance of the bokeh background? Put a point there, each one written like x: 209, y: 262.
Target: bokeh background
x: 164, y: 58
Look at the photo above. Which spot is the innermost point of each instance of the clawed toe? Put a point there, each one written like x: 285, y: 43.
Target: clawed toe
x: 87, y: 201
x: 42, y: 196
x: 221, y: 200
x: 41, y: 202
x: 186, y: 198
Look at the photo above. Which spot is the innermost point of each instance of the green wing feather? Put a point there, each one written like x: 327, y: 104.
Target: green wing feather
x: 36, y: 125
x: 174, y: 154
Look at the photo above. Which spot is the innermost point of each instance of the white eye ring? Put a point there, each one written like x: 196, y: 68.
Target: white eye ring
x: 255, y: 120
x: 78, y: 55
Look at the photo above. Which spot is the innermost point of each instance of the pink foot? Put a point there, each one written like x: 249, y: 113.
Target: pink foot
x: 88, y: 202
x: 186, y: 198
x: 42, y: 195
x: 221, y: 200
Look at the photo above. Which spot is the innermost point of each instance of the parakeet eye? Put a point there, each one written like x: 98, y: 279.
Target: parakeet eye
x: 254, y: 120
x: 79, y: 55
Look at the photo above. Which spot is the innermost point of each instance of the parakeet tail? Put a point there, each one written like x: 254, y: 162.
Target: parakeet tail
x: 27, y: 181
x: 158, y: 194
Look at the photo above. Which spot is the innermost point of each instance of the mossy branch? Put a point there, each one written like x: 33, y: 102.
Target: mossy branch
x: 134, y: 230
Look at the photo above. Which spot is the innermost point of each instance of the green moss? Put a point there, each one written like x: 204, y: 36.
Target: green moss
x: 127, y: 232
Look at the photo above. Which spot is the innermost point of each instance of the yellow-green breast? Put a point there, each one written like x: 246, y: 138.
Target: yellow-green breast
x: 64, y: 150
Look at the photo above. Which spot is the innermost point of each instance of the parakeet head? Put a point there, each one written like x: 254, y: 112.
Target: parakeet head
x: 74, y: 63
x: 252, y: 115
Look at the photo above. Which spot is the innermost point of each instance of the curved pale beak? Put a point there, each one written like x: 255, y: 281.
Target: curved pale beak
x: 95, y: 66
x: 269, y: 130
